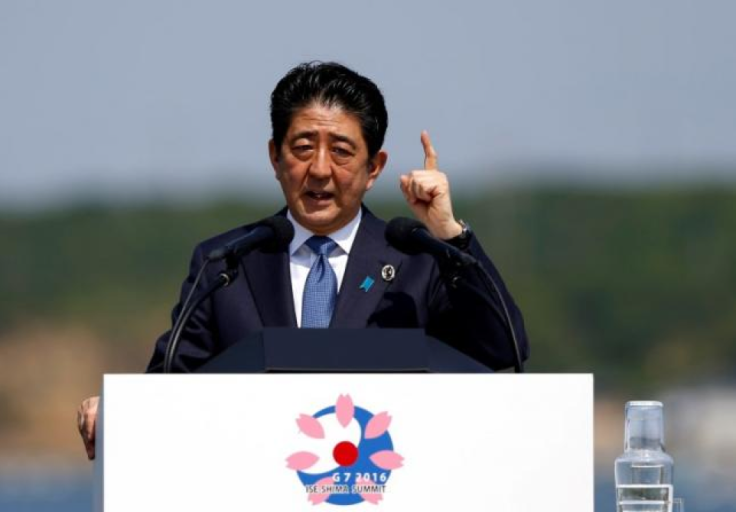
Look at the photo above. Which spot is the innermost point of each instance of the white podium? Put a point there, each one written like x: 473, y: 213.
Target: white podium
x: 390, y: 442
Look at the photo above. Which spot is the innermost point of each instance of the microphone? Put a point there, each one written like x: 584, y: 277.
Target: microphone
x: 412, y: 237
x: 272, y: 234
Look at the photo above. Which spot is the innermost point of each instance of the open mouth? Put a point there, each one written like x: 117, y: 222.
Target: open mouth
x: 319, y: 196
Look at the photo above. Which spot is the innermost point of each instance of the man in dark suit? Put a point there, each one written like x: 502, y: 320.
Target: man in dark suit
x: 328, y: 128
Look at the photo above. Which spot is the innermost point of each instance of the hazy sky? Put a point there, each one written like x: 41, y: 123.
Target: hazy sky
x: 148, y: 97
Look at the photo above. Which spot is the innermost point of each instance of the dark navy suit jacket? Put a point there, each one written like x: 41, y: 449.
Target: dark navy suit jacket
x: 417, y: 297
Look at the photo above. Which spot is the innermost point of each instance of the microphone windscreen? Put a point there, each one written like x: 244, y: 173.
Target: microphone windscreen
x: 283, y: 232
x: 399, y: 233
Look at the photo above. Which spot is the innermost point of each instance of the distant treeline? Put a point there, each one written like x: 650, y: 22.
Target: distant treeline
x: 636, y: 286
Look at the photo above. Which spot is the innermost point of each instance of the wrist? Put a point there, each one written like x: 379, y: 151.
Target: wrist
x: 462, y: 240
x: 453, y: 231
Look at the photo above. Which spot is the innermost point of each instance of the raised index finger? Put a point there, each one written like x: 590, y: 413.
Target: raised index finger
x: 430, y: 155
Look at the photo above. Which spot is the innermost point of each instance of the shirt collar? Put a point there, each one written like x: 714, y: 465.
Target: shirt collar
x: 344, y: 237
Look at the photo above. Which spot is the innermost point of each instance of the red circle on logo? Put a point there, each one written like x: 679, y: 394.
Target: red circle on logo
x: 345, y: 453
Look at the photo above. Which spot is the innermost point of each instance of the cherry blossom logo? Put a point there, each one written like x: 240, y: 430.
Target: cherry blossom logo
x: 349, y: 454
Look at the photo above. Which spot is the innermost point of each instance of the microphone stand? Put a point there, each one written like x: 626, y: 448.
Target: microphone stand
x: 491, y: 288
x: 223, y: 279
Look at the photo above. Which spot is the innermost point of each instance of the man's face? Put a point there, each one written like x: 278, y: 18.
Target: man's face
x: 323, y: 167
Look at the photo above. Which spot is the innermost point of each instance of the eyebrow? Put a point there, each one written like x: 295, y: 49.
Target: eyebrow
x: 345, y: 139
x: 310, y: 134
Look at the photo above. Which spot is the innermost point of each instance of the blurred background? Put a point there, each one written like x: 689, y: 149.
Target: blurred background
x: 591, y: 145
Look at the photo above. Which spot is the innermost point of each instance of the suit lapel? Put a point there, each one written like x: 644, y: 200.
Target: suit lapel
x: 369, y: 254
x: 270, y: 282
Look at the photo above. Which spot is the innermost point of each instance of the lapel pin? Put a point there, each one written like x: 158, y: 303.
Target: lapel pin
x: 367, y: 283
x: 388, y: 272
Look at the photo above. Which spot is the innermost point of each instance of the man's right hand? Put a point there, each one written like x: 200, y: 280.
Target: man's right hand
x: 86, y: 421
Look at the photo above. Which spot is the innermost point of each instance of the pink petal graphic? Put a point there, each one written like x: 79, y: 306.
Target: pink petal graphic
x: 316, y: 498
x: 387, y: 459
x: 370, y: 497
x: 311, y: 426
x: 344, y: 410
x: 377, y: 425
x: 300, y: 461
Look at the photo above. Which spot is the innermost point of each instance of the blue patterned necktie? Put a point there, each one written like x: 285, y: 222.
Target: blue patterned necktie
x: 320, y: 290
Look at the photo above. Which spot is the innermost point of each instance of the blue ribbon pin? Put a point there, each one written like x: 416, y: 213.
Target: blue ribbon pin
x: 367, y: 283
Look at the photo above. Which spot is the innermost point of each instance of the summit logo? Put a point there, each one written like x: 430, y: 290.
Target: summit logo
x: 349, y: 454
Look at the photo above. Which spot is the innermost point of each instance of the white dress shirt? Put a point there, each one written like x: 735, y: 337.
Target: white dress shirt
x: 301, y: 257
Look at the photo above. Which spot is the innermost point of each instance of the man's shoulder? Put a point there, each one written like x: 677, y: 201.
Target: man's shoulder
x: 221, y: 239
x: 371, y: 223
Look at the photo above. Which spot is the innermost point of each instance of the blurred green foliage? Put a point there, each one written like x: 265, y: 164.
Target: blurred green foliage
x: 636, y: 286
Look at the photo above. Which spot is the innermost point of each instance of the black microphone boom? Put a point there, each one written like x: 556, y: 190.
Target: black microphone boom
x: 272, y: 235
x: 412, y: 237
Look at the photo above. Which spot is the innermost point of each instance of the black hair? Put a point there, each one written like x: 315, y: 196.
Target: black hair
x: 330, y: 84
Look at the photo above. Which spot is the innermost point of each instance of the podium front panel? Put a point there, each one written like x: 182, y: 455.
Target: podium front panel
x: 286, y: 442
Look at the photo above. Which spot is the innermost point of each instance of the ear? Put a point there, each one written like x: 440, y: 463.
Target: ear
x: 273, y: 155
x: 375, y: 166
